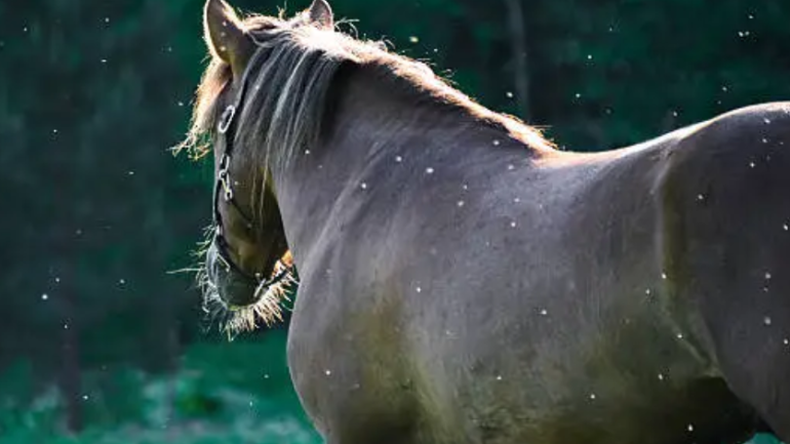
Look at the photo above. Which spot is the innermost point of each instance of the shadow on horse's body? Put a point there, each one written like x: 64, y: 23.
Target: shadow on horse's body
x: 464, y: 282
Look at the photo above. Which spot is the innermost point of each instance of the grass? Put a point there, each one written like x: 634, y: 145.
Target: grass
x: 236, y: 393
x: 228, y: 393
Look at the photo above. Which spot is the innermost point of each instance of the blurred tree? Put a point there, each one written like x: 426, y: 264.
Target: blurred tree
x: 92, y: 97
x: 92, y: 94
x: 518, y: 40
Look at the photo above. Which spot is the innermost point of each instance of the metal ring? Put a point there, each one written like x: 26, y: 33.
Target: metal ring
x: 226, y: 118
x: 224, y: 163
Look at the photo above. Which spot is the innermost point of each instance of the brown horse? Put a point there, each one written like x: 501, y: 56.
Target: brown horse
x: 462, y: 281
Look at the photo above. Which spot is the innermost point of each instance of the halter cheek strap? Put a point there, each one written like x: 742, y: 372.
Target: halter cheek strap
x: 224, y: 185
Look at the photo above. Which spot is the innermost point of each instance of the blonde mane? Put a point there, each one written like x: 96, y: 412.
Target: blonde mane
x: 299, y: 65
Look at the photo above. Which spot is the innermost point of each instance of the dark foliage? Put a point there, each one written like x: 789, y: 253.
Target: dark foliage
x: 93, y: 93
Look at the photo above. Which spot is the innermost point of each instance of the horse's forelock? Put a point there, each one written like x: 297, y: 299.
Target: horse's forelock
x: 209, y: 94
x: 205, y: 109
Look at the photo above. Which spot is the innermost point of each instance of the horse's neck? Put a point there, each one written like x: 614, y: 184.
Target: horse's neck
x: 369, y: 120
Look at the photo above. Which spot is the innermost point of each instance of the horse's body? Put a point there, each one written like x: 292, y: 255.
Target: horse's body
x: 484, y: 303
x: 462, y: 283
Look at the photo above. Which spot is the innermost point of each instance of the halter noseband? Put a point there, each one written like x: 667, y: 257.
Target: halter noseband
x: 224, y: 185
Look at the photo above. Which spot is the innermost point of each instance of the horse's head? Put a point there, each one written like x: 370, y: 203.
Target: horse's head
x: 247, y: 262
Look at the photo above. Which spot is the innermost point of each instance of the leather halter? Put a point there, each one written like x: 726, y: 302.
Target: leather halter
x: 223, y: 188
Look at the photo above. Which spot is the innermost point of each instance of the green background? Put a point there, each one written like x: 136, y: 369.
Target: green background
x: 101, y: 343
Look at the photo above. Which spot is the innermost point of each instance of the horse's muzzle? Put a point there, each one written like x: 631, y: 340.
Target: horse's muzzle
x: 235, y: 288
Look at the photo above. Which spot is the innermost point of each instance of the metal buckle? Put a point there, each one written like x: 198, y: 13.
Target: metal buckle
x: 226, y: 119
x: 223, y: 176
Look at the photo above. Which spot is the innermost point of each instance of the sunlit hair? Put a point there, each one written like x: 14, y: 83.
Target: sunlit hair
x: 288, y: 89
x: 267, y: 309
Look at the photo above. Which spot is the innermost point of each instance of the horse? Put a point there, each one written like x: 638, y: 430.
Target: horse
x: 463, y: 280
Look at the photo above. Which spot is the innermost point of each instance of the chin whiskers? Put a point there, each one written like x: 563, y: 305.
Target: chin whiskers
x: 268, y: 308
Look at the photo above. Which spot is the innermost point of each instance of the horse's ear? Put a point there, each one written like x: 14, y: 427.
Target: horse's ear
x: 321, y: 14
x: 226, y: 36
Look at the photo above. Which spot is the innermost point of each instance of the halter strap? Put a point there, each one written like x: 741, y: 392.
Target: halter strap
x: 223, y: 185
x: 226, y: 129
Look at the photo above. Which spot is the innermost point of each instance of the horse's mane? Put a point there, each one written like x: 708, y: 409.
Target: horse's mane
x: 299, y: 63
x: 287, y: 85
